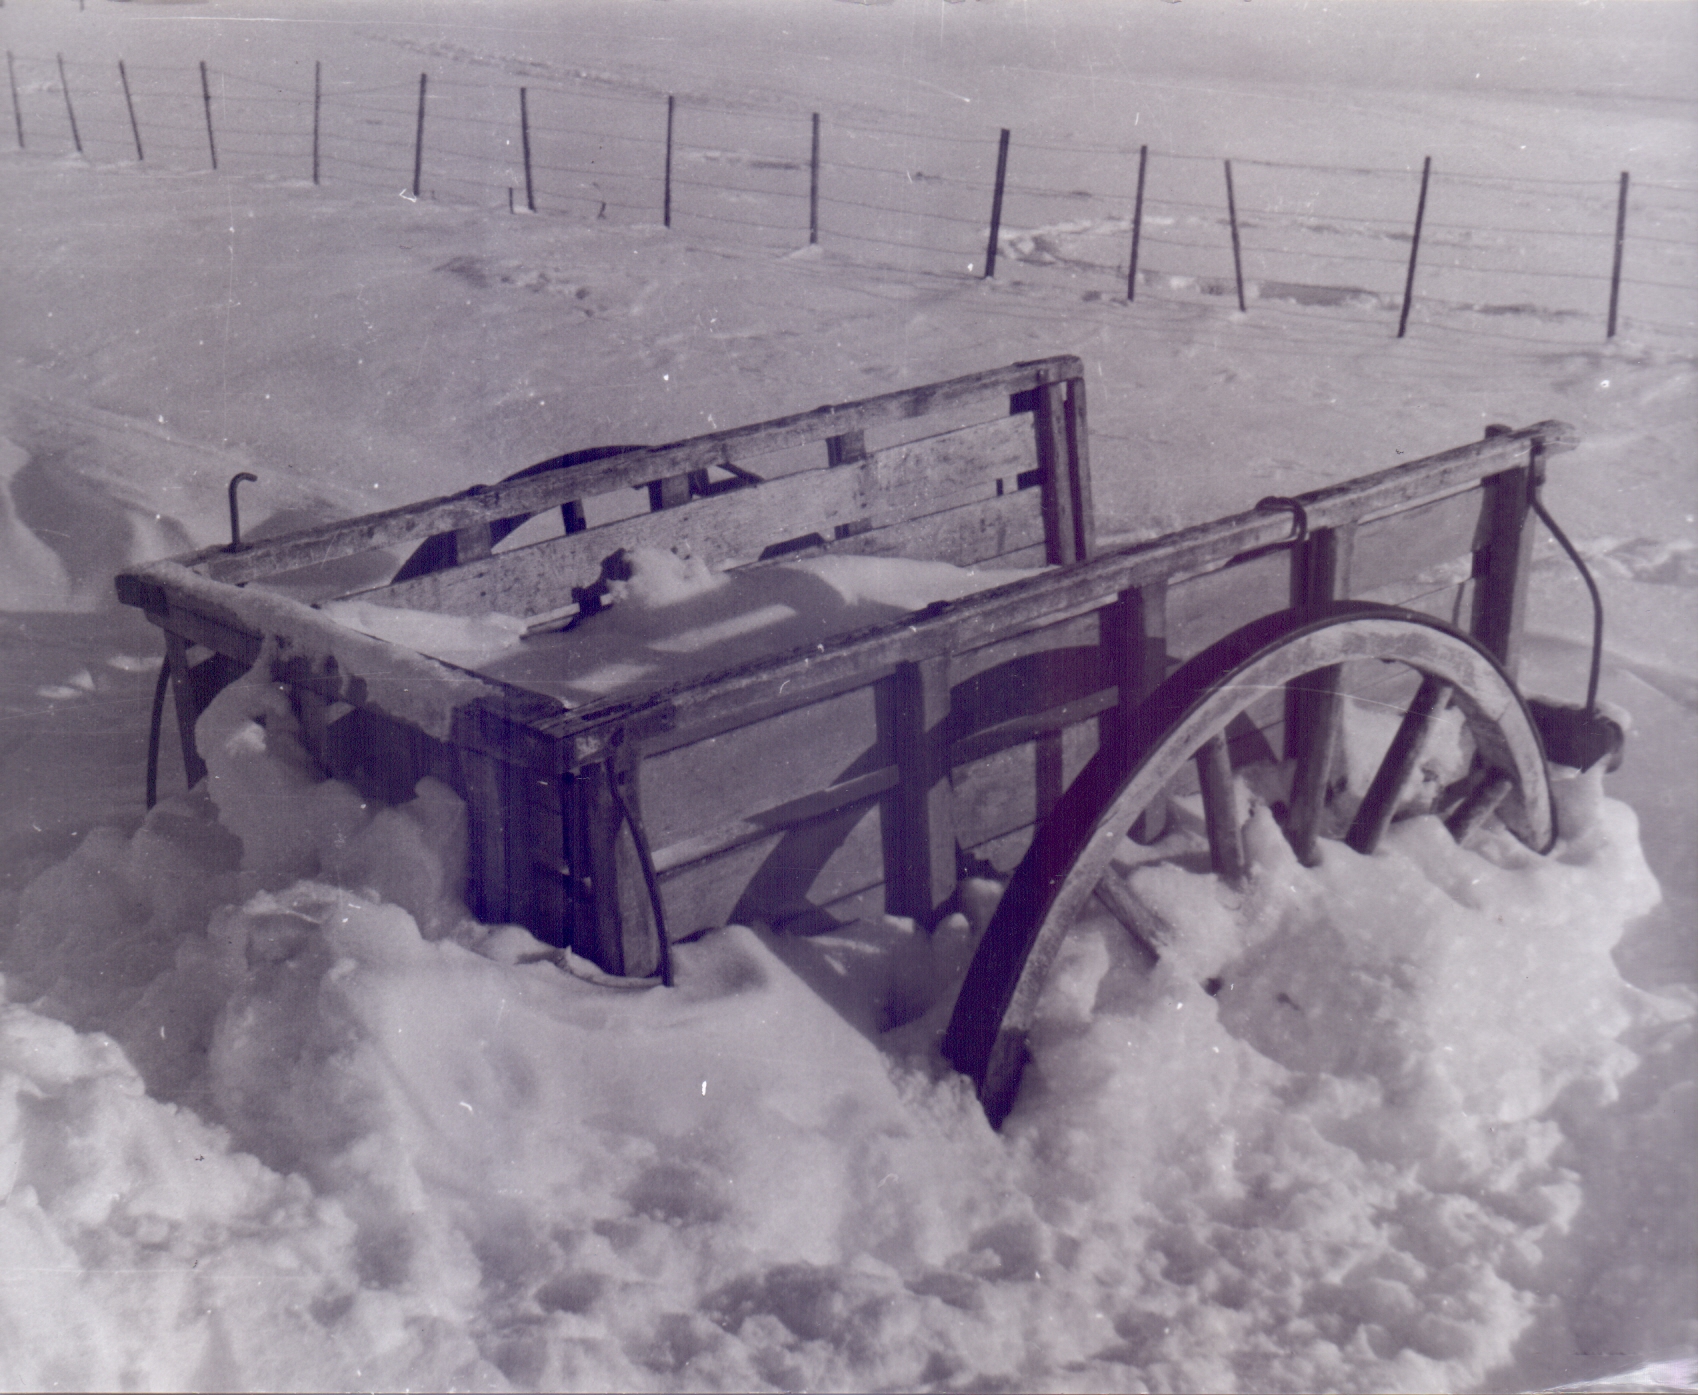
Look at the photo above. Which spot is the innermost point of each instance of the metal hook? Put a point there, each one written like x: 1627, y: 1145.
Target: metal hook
x: 236, y: 543
x: 1299, y: 515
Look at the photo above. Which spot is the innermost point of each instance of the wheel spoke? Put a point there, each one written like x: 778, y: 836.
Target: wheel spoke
x: 1314, y: 741
x: 1480, y: 805
x: 1373, y: 815
x: 1220, y: 810
x: 1149, y: 931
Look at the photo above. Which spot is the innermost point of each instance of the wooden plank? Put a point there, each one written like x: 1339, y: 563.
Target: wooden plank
x: 535, y: 493
x: 788, y: 879
x: 730, y: 833
x: 896, y: 486
x: 1206, y: 607
x: 1396, y: 549
x: 997, y: 796
x: 919, y: 847
x: 702, y: 787
x: 1008, y: 531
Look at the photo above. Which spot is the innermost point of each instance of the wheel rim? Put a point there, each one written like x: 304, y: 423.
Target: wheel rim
x: 1072, y: 850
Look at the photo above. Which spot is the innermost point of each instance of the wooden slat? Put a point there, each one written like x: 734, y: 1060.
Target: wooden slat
x: 535, y: 493
x: 700, y: 788
x: 1398, y: 548
x: 1203, y: 608
x: 902, y: 486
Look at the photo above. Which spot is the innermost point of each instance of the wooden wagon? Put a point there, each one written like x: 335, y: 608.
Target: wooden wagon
x: 1025, y: 730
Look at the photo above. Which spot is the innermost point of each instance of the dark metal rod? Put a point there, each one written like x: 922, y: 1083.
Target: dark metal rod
x: 525, y: 141
x: 317, y: 95
x: 206, y: 100
x: 418, y: 140
x: 1137, y: 224
x: 17, y: 111
x: 666, y: 189
x: 1232, y: 218
x: 236, y: 544
x: 70, y: 111
x: 153, y: 726
x: 814, y: 186
x: 1620, y: 241
x: 996, y: 204
x: 1415, y: 246
x: 130, y: 106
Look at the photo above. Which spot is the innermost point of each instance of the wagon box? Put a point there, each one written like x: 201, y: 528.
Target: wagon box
x: 870, y: 770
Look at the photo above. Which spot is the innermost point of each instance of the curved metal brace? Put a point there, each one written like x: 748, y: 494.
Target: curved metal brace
x: 1072, y: 849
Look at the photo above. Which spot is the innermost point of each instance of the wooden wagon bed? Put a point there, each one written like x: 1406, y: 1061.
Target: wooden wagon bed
x: 863, y: 774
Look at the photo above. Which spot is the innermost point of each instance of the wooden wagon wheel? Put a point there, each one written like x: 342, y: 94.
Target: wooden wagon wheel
x: 1183, y: 720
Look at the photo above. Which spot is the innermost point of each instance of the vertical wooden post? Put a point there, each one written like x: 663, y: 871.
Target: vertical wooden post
x: 611, y: 918
x: 666, y: 188
x: 814, y: 186
x: 70, y: 111
x: 183, y: 700
x: 1137, y: 224
x: 17, y: 110
x: 1501, y: 566
x: 996, y: 204
x: 1320, y: 573
x: 485, y: 784
x: 206, y: 101
x: 918, y: 815
x: 135, y: 129
x: 1064, y: 465
x: 1620, y: 242
x: 525, y: 140
x: 1415, y: 246
x: 1132, y: 636
x: 1232, y: 218
x: 418, y: 140
x: 317, y: 102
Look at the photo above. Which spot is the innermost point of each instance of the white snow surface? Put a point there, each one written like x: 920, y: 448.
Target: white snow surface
x: 274, y: 1113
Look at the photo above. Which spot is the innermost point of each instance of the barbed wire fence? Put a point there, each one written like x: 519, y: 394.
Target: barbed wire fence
x: 1116, y: 221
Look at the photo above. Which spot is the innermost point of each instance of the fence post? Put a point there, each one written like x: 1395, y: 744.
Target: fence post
x: 65, y: 87
x: 814, y: 186
x: 317, y: 91
x: 130, y: 106
x: 525, y: 144
x: 1237, y: 257
x: 1620, y: 240
x: 1137, y: 224
x: 206, y: 99
x: 666, y: 187
x: 1415, y: 246
x: 17, y: 111
x: 996, y: 204
x: 418, y: 140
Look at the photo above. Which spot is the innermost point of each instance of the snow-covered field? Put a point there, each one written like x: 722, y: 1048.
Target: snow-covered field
x: 273, y: 1115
